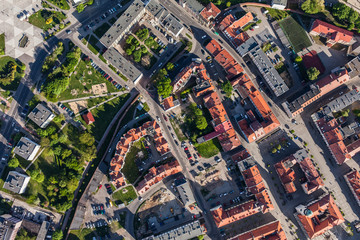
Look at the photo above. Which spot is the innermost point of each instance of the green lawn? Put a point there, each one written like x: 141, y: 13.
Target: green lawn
x: 82, y: 234
x: 130, y: 169
x: 38, y: 19
x: 104, y: 114
x: 126, y: 195
x: 100, y: 31
x: 92, y: 43
x: 209, y: 149
x: 61, y: 4
x: 94, y: 101
x: 2, y: 44
x: 82, y: 80
x: 295, y: 33
x: 4, y: 61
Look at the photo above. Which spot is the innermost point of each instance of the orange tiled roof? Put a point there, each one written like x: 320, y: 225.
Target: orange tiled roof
x: 88, y: 118
x: 353, y: 180
x: 286, y: 174
x: 271, y: 231
x: 210, y: 11
x: 214, y: 47
x: 332, y: 32
x: 241, y: 155
x: 332, y: 81
x: 319, y: 222
x: 168, y: 102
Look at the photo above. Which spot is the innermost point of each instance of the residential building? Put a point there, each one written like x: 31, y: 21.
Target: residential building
x: 16, y: 182
x: 184, y: 232
x: 287, y: 174
x: 88, y: 118
x: 279, y: 4
x: 333, y: 34
x: 195, y: 69
x: 272, y: 78
x: 209, y: 13
x: 224, y: 130
x: 295, y: 104
x: 150, y: 128
x: 203, y: 86
x: 156, y: 174
x: 270, y: 231
x: 9, y: 227
x: 353, y: 67
x: 255, y: 186
x: 339, y: 138
x: 319, y: 216
x: 26, y: 149
x: 41, y: 116
x: 231, y: 26
x: 45, y: 225
x: 193, y: 7
x: 254, y: 128
x: 353, y: 180
x: 185, y: 192
x: 124, y: 66
x: 169, y: 103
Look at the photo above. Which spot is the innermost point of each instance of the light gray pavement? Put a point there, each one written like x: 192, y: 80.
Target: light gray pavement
x: 94, y: 96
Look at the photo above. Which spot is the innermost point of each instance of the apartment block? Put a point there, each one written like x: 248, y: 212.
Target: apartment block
x: 41, y: 116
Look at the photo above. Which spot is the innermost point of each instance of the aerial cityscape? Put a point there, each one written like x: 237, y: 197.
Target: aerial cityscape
x: 179, y: 119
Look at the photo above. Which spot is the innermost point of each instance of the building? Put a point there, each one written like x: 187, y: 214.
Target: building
x: 88, y: 118
x: 340, y: 139
x: 193, y: 7
x: 221, y: 123
x: 124, y: 66
x: 279, y: 4
x: 9, y: 227
x: 319, y: 216
x: 295, y: 104
x: 287, y: 174
x: 169, y: 103
x: 150, y: 128
x: 209, y: 13
x: 255, y: 186
x: 232, y: 28
x: 353, y: 180
x: 272, y: 78
x: 259, y: 121
x: 123, y: 24
x: 184, y: 232
x: 45, y: 225
x: 333, y: 34
x: 41, y: 116
x: 185, y: 192
x: 27, y: 149
x: 270, y: 231
x: 16, y: 182
x: 195, y: 69
x: 353, y: 67
x: 156, y: 174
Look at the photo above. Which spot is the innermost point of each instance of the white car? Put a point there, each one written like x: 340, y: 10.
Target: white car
x: 203, y: 37
x: 157, y: 117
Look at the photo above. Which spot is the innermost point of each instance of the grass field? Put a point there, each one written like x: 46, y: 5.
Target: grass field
x: 60, y: 3
x: 14, y: 84
x: 209, y: 149
x: 2, y: 44
x: 100, y: 31
x: 38, y: 19
x: 130, y: 168
x: 104, y: 114
x: 125, y: 197
x: 295, y: 33
x: 82, y: 234
x: 92, y: 42
x: 82, y: 80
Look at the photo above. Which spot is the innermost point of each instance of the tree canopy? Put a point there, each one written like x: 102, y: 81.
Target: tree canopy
x: 201, y: 122
x: 164, y: 87
x: 80, y: 8
x: 13, y: 163
x: 312, y: 73
x: 313, y: 6
x: 227, y: 88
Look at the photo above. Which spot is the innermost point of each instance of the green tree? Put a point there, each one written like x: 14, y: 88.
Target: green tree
x: 90, y: 2
x: 164, y: 87
x: 278, y: 147
x: 170, y: 66
x: 87, y: 139
x: 128, y: 51
x: 345, y: 113
x: 228, y: 4
x: 129, y: 39
x: 66, y: 153
x: 143, y: 49
x: 298, y: 59
x: 274, y: 150
x: 353, y: 16
x: 227, y: 88
x: 313, y: 6
x: 351, y: 26
x: 312, y: 73
x: 58, y: 235
x: 137, y: 56
x: 201, y: 122
x: 80, y: 8
x: 13, y: 163
x: 61, y: 26
x: 341, y: 11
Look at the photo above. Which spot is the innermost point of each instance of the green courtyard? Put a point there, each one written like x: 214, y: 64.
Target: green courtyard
x: 46, y: 19
x: 125, y: 195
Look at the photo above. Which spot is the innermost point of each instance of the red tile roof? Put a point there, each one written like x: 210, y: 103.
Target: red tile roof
x: 332, y: 32
x: 323, y: 217
x: 353, y: 180
x: 271, y: 231
x: 168, y: 103
x: 332, y: 81
x: 210, y: 11
x: 213, y: 47
x: 88, y: 118
x: 286, y: 173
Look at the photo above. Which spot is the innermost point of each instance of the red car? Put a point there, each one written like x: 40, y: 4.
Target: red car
x: 165, y: 117
x: 186, y: 148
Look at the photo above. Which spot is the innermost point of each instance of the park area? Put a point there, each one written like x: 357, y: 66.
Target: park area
x: 82, y: 81
x: 209, y: 149
x: 46, y: 19
x: 295, y: 33
x: 11, y: 72
x: 125, y: 195
x: 130, y: 169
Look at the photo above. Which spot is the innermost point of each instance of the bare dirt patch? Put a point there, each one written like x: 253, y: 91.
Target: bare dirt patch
x: 78, y: 106
x: 99, y: 88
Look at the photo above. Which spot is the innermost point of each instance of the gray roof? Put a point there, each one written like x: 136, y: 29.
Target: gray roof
x: 7, y: 225
x: 25, y: 147
x: 244, y: 48
x: 194, y: 5
x: 123, y: 65
x: 201, y: 85
x: 15, y: 181
x: 246, y: 163
x: 353, y: 67
x: 341, y: 102
x: 172, y: 24
x: 295, y: 102
x: 271, y: 76
x: 184, y: 232
x: 40, y: 115
x: 279, y: 2
x: 126, y: 19
x: 185, y: 192
x: 43, y: 230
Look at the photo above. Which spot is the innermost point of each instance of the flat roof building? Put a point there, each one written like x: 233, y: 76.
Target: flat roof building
x: 353, y: 67
x: 9, y: 227
x: 16, y: 182
x: 41, y: 116
x: 123, y: 65
x: 185, y: 192
x: 27, y: 149
x: 271, y: 231
x: 279, y: 4
x: 172, y: 25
